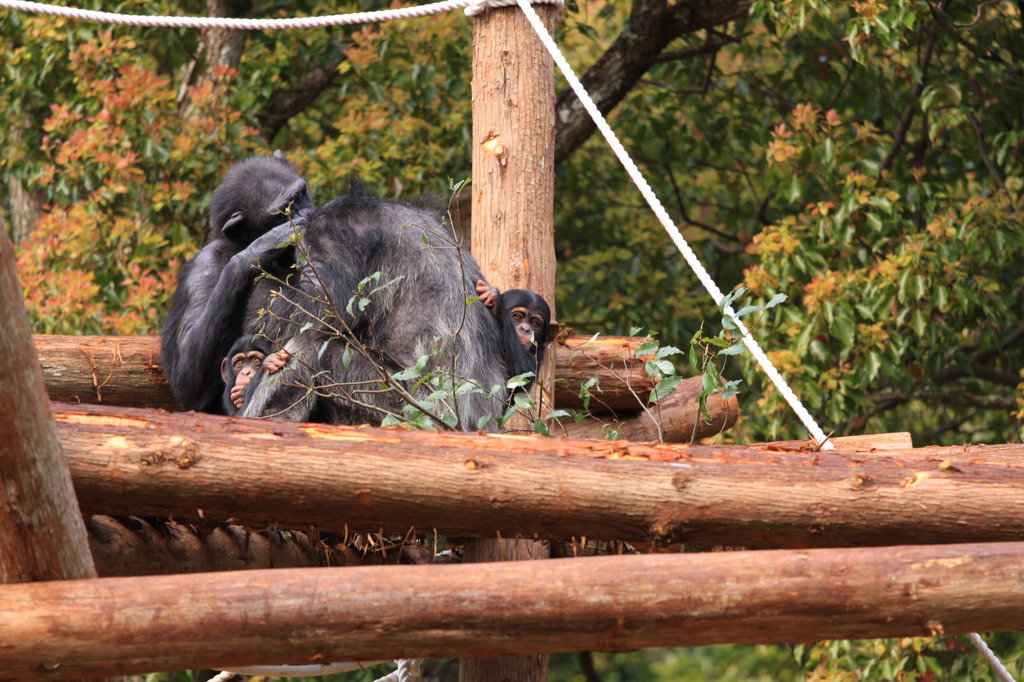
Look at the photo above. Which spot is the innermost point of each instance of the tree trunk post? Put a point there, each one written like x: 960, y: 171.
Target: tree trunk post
x: 42, y: 535
x: 513, y: 229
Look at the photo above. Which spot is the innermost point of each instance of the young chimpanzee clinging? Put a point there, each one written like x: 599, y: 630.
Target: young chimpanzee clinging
x: 247, y: 358
x: 526, y: 325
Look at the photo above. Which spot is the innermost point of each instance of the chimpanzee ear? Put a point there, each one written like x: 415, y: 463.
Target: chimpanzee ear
x: 232, y: 223
x: 552, y: 333
x: 224, y: 370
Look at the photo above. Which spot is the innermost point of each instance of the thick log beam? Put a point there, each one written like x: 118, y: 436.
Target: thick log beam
x: 260, y: 472
x: 135, y: 546
x: 127, y: 626
x: 673, y: 419
x: 126, y: 370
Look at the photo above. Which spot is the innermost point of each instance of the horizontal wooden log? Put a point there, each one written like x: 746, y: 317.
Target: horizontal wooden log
x: 126, y: 370
x: 622, y: 382
x: 260, y: 472
x: 135, y: 546
x: 112, y: 370
x: 673, y: 419
x: 127, y: 626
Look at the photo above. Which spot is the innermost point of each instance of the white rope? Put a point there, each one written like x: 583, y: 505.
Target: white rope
x: 473, y: 8
x: 677, y: 238
x: 991, y: 657
x: 241, y: 24
x: 408, y: 671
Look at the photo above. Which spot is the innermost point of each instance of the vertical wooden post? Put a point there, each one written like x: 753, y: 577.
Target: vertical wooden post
x: 513, y: 228
x: 42, y: 534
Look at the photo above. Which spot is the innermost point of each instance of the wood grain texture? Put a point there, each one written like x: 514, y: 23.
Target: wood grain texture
x: 139, y: 625
x: 126, y: 370
x: 42, y: 535
x: 142, y: 462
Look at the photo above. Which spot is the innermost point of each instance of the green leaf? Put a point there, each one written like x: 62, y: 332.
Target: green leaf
x: 666, y: 351
x: 540, y: 427
x: 406, y: 374
x: 775, y: 300
x: 659, y: 368
x: 523, y: 401
x: 520, y: 380
x: 558, y: 414
x: 792, y: 188
x: 919, y: 323
x: 729, y: 298
x: 731, y: 388
x: 844, y: 330
x: 664, y: 388
x: 694, y: 359
x: 646, y: 348
x: 873, y: 365
x: 736, y: 348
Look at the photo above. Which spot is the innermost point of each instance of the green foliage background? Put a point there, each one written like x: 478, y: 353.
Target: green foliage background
x: 861, y: 157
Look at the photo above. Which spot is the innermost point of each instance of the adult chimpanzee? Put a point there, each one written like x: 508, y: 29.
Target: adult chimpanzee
x: 351, y: 247
x: 217, y: 298
x: 524, y: 319
x: 244, y: 362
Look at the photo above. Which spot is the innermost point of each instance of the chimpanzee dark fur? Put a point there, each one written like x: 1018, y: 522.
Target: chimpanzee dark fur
x: 216, y: 299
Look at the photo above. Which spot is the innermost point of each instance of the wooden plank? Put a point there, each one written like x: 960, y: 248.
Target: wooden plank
x: 42, y: 535
x: 143, y: 462
x: 126, y: 370
x: 140, y: 625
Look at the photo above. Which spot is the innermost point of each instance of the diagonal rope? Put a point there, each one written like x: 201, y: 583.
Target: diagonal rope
x: 991, y: 657
x: 677, y: 238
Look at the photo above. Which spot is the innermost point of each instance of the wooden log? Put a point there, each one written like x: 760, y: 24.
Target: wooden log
x: 622, y: 382
x: 674, y: 419
x: 259, y: 472
x: 140, y: 625
x: 126, y: 370
x: 134, y: 546
x: 113, y: 370
x: 513, y: 223
x: 42, y: 534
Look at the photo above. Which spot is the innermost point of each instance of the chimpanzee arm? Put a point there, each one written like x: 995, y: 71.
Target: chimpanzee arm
x: 518, y: 358
x: 208, y: 314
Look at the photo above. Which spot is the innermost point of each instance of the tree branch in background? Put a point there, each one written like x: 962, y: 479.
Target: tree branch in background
x: 652, y: 25
x: 285, y: 103
x: 218, y: 47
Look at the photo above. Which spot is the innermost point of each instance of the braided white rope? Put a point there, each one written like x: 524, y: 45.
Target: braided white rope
x: 241, y: 24
x: 677, y: 238
x: 473, y: 8
x: 408, y: 671
x: 991, y: 657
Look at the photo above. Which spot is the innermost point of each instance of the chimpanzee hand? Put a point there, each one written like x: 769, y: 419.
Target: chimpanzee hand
x: 274, y: 252
x: 488, y: 294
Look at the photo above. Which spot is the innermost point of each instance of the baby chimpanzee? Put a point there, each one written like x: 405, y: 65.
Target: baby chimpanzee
x: 243, y: 364
x: 526, y: 326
